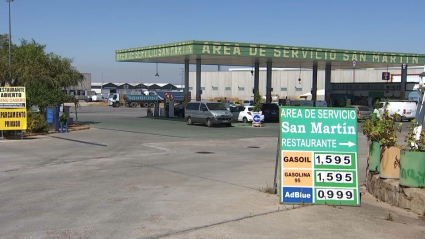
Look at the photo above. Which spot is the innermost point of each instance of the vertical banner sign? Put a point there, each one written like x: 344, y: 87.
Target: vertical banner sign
x: 318, y: 156
x: 12, y: 97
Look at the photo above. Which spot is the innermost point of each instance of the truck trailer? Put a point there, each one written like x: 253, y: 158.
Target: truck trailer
x: 147, y: 99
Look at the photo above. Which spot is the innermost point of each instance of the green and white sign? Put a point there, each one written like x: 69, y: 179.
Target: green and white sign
x: 319, y: 156
x: 232, y: 49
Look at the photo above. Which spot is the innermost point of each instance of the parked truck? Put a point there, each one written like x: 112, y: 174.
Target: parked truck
x: 116, y: 100
x: 140, y: 100
x: 147, y: 99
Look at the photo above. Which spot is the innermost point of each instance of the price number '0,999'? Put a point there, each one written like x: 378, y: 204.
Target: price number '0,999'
x: 334, y: 194
x: 333, y: 159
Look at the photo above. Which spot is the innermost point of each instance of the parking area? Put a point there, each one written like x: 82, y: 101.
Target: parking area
x: 135, y: 177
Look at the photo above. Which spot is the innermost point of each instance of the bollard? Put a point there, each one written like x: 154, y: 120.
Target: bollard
x: 66, y: 126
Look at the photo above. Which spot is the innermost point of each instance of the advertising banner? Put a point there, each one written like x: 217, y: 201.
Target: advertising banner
x: 318, y: 158
x: 12, y: 97
x: 13, y: 119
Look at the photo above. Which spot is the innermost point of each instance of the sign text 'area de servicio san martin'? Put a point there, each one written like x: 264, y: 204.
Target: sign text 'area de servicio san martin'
x: 318, y: 158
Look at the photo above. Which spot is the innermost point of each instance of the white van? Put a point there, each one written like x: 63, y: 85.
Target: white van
x: 405, y: 108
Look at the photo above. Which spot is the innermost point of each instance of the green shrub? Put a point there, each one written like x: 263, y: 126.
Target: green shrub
x: 37, y: 123
x: 414, y: 144
x: 63, y: 118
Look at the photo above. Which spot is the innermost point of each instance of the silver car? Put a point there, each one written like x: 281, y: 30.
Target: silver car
x: 363, y: 112
x: 208, y: 113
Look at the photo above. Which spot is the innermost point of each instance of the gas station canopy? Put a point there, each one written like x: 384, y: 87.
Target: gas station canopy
x: 246, y: 54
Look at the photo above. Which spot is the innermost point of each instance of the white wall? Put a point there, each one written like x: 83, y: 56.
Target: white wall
x: 281, y: 79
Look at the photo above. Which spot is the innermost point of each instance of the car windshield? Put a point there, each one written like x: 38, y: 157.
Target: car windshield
x: 215, y: 106
x: 250, y: 108
x: 364, y: 109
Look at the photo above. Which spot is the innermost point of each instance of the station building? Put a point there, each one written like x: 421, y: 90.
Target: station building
x: 359, y: 86
x: 80, y: 90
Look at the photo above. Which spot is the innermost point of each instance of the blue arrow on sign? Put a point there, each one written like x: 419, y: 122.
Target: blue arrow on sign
x: 256, y: 119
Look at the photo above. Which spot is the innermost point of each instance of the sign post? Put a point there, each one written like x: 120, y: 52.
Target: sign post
x: 318, y: 156
x: 256, y: 119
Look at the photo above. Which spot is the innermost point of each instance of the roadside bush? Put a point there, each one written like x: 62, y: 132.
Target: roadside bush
x: 37, y: 123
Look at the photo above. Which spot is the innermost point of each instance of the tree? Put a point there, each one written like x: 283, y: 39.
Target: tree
x: 45, y: 75
x: 257, y: 101
x: 4, y: 58
x: 44, y: 93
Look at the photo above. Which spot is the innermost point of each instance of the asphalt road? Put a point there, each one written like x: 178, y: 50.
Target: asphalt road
x: 136, y: 177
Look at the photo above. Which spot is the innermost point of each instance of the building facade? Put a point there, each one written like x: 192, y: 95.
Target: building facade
x: 80, y: 90
x: 292, y: 83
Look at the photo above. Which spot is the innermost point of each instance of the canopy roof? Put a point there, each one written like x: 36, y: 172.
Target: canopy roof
x: 245, y: 54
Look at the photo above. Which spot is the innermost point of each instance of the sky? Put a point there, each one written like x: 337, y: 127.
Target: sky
x: 89, y: 31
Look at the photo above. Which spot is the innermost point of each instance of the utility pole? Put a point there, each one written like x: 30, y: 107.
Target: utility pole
x: 101, y: 87
x: 141, y: 83
x: 10, y: 42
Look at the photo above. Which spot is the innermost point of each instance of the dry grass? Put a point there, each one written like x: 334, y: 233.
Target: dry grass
x: 389, y: 217
x: 267, y: 189
x: 235, y: 99
x: 231, y: 99
x: 101, y: 103
x: 291, y: 98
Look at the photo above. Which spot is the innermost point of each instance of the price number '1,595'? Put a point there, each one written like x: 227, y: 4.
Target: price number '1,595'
x: 333, y: 159
x: 334, y: 177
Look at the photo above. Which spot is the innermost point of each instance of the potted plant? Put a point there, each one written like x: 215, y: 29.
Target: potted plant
x: 63, y: 119
x: 374, y: 158
x: 412, y: 159
x: 256, y: 110
x: 386, y: 131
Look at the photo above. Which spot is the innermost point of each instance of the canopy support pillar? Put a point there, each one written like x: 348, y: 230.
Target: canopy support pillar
x: 328, y: 88
x: 186, y: 82
x: 269, y: 83
x: 198, y: 80
x: 403, y: 81
x: 314, y: 88
x: 256, y: 77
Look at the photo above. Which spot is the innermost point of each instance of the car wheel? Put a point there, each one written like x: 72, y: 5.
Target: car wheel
x: 189, y: 121
x: 245, y: 120
x: 209, y: 123
x: 229, y: 125
x: 398, y: 118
